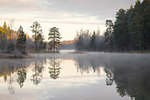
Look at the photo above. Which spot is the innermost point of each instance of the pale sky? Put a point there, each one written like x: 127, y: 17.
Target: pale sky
x: 68, y: 15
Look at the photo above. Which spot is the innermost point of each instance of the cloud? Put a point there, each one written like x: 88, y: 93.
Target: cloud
x: 66, y: 10
x: 99, y: 8
x: 75, y: 14
x: 17, y: 5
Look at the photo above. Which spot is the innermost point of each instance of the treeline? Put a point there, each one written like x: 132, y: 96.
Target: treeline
x: 129, y: 32
x: 7, y: 34
x: 18, y: 42
x: 89, y: 41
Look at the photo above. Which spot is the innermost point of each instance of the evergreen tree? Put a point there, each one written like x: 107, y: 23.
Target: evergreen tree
x: 132, y: 27
x: 38, y: 72
x: 40, y: 39
x: 37, y: 30
x: 109, y: 35
x: 137, y: 27
x: 120, y: 33
x: 130, y: 16
x: 54, y: 69
x: 79, y: 43
x: 93, y: 41
x: 146, y: 24
x: 54, y: 37
x: 21, y: 77
x: 21, y: 41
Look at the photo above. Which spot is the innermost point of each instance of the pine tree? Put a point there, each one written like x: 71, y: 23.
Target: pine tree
x: 54, y: 69
x: 93, y: 41
x: 54, y: 37
x: 40, y: 39
x: 79, y: 42
x: 109, y: 34
x: 146, y: 24
x: 21, y: 77
x: 37, y: 30
x: 21, y: 41
x: 38, y: 72
x: 130, y: 16
x: 137, y: 27
x: 121, y: 31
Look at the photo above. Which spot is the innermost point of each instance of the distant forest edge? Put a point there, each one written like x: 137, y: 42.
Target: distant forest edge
x: 129, y: 32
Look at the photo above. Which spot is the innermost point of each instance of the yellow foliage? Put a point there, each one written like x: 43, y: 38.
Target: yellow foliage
x: 9, y: 33
x: 1, y: 30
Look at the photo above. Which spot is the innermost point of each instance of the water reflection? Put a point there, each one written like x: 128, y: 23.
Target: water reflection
x: 21, y: 77
x: 54, y: 68
x: 132, y: 81
x: 10, y: 84
x: 7, y: 72
x: 110, y: 76
x: 128, y: 74
x: 37, y: 72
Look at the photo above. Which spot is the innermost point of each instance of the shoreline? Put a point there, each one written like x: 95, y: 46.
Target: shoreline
x: 9, y: 55
x: 16, y: 56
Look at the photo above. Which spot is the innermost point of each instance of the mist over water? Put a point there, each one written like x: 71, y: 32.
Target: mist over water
x: 88, y: 76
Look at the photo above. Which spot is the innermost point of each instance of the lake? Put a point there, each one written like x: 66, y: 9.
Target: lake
x: 67, y: 76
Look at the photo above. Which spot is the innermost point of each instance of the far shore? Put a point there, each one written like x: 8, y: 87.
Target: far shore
x: 11, y: 55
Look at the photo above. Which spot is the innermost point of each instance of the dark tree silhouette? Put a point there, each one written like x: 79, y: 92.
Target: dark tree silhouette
x: 54, y: 37
x: 54, y: 69
x: 21, y: 41
x: 21, y: 77
x: 37, y: 76
x: 37, y: 30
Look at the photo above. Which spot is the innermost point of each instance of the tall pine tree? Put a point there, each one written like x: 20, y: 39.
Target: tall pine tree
x: 121, y: 31
x: 54, y: 37
x: 93, y: 41
x: 109, y: 41
x: 146, y: 24
x: 37, y: 30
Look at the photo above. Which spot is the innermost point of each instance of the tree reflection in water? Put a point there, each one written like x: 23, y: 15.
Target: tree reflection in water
x: 129, y: 73
x: 131, y: 76
x: 10, y: 84
x: 54, y: 68
x: 132, y: 81
x: 87, y: 66
x: 21, y: 77
x: 38, y: 69
x: 109, y: 75
x: 6, y: 71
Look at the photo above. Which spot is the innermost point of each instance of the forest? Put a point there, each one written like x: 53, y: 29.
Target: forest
x: 129, y: 32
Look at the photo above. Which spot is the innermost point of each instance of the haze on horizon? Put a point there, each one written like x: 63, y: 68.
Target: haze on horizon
x: 68, y: 15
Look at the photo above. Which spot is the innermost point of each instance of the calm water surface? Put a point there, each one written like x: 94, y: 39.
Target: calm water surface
x: 66, y: 76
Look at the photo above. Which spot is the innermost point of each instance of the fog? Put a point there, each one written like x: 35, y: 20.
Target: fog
x: 87, y: 59
x: 68, y: 74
